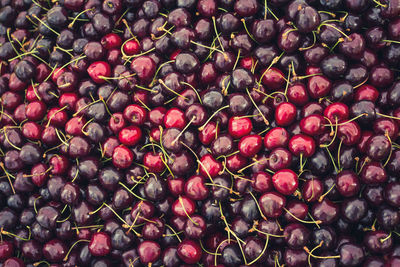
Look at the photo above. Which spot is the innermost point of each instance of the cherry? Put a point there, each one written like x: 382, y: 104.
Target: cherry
x: 174, y: 118
x: 209, y: 166
x: 239, y: 126
x: 301, y: 144
x: 285, y: 181
x: 189, y: 251
x: 276, y: 137
x: 250, y: 145
x: 130, y: 135
x: 195, y: 188
x: 209, y: 133
x: 6, y: 250
x: 272, y: 204
x: 149, y: 252
x: 98, y: 71
x: 122, y: 157
x: 285, y: 114
x: 54, y: 250
x: 312, y: 125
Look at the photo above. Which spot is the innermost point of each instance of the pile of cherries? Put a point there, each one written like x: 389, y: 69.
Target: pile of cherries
x: 199, y: 133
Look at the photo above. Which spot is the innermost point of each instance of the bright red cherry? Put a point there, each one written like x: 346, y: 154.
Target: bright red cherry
x: 313, y: 125
x: 235, y: 162
x: 247, y: 62
x: 209, y: 166
x: 98, y: 70
x: 318, y: 86
x: 32, y: 130
x: 130, y: 135
x: 100, y: 244
x: 35, y: 110
x: 174, y: 118
x: 135, y: 114
x: 59, y: 164
x: 74, y: 126
x: 349, y: 132
x: 273, y: 78
x: 131, y: 47
x: 189, y: 251
x: 57, y: 117
x: 366, y: 92
x: 276, y: 137
x: 117, y: 122
x: 285, y: 181
x: 250, y: 145
x: 302, y: 144
x: 336, y: 111
x: 156, y: 115
x: 195, y: 188
x: 239, y: 126
x: 153, y: 162
x: 285, y: 114
x: 144, y: 67
x: 183, y: 206
x: 122, y: 157
x: 297, y: 94
x: 110, y: 41
x: 261, y: 182
x: 149, y: 252
x: 209, y: 133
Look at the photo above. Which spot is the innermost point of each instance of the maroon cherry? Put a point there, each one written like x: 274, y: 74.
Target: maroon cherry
x: 285, y: 181
x: 100, y: 244
x: 189, y: 251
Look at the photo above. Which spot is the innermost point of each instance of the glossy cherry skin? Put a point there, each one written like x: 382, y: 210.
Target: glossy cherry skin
x: 325, y: 211
x: 100, y: 244
x: 122, y: 157
x: 318, y: 86
x: 189, y: 251
x: 313, y: 125
x: 276, y: 137
x: 285, y: 181
x: 209, y: 166
x: 188, y: 207
x: 350, y: 133
x: 99, y: 69
x: 54, y: 250
x: 149, y: 252
x: 285, y: 114
x: 347, y: 183
x: 175, y: 118
x: 130, y: 135
x: 6, y: 250
x: 195, y: 188
x: 272, y: 204
x: 239, y: 127
x: 250, y: 145
x: 312, y: 189
x: 302, y: 144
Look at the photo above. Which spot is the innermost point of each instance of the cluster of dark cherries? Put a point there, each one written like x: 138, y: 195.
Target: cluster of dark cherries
x: 199, y: 133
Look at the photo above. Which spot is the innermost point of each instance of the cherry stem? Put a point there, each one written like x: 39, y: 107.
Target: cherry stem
x: 8, y: 176
x: 261, y: 253
x: 4, y: 232
x: 258, y: 109
x: 216, y: 250
x: 201, y: 128
x: 300, y: 220
x: 216, y: 33
x: 8, y: 140
x: 73, y: 245
x: 47, y: 26
x: 326, y: 193
x: 169, y: 89
x: 206, y: 251
x: 41, y: 262
x: 183, y: 130
x: 258, y: 206
x: 208, y: 47
x: 388, y: 116
x: 310, y: 253
x: 247, y: 31
x: 175, y: 233
x: 130, y: 191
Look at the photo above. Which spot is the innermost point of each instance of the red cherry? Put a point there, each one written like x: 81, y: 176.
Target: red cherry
x: 318, y: 86
x: 195, y: 188
x: 250, y: 145
x: 362, y: 143
x: 175, y: 185
x: 149, y: 252
x: 261, y: 182
x: 183, y: 206
x: 273, y: 78
x: 337, y: 111
x: 366, y: 92
x: 297, y: 94
x: 131, y: 47
x: 117, y: 122
x: 74, y: 126
x: 122, y: 157
x: 130, y: 135
x: 209, y: 166
x: 69, y: 100
x: 155, y: 134
x: 175, y: 118
x: 347, y: 183
x: 272, y: 204
x: 144, y: 67
x: 247, y: 62
x: 208, y: 133
x: 189, y: 251
x: 302, y: 144
x: 57, y: 117
x: 59, y: 164
x: 349, y: 132
x: 99, y: 69
x: 109, y: 145
x: 100, y: 244
x: 31, y: 94
x: 276, y: 137
x: 57, y: 73
x: 312, y: 190
x: 313, y: 125
x: 239, y: 126
x: 285, y: 114
x: 35, y: 110
x: 6, y: 250
x: 156, y: 115
x: 135, y: 114
x: 310, y: 70
x: 110, y: 41
x: 32, y: 131
x: 235, y: 162
x: 279, y: 158
x: 285, y: 181
x: 153, y: 162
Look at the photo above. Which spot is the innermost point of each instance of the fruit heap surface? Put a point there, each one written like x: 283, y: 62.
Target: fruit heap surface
x: 215, y: 133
